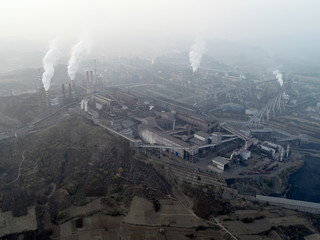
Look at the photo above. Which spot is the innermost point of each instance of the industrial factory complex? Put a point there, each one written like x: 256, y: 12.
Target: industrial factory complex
x: 211, y: 119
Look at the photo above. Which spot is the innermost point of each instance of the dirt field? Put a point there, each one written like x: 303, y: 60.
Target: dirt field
x: 142, y: 222
x: 249, y: 224
x: 171, y: 213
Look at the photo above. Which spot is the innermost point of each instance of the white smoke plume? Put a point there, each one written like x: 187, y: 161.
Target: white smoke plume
x: 77, y: 52
x: 195, y: 55
x: 49, y: 62
x: 278, y: 77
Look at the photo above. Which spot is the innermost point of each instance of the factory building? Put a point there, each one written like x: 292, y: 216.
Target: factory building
x: 157, y: 137
x: 220, y: 162
x: 276, y: 151
x: 202, y: 136
x: 149, y: 121
x: 103, y: 102
x: 125, y: 98
x: 196, y: 120
x: 165, y: 119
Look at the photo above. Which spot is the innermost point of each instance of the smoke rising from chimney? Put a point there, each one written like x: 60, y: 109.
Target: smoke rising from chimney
x: 278, y: 77
x: 49, y: 62
x: 195, y: 55
x: 77, y: 52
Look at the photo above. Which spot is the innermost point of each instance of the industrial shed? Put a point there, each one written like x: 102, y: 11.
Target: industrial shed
x: 220, y: 162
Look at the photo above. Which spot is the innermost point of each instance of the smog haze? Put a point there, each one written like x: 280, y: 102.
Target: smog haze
x: 286, y: 29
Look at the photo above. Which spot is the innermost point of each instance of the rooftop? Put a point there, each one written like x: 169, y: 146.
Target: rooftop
x: 164, y: 135
x: 221, y: 160
x: 202, y: 134
x: 196, y: 141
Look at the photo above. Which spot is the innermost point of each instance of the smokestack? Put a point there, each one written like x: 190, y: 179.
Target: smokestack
x: 70, y: 91
x: 64, y: 93
x: 95, y: 70
x: 82, y: 104
x: 73, y: 88
x: 86, y: 106
x: 39, y: 77
x: 88, y: 83
x: 48, y: 99
x: 91, y: 81
x: 91, y: 76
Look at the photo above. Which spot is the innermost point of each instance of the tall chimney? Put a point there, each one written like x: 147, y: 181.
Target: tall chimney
x: 70, y: 91
x: 48, y: 99
x: 73, y: 87
x: 91, y: 81
x: 91, y: 76
x: 88, y: 83
x: 63, y: 93
x: 39, y: 77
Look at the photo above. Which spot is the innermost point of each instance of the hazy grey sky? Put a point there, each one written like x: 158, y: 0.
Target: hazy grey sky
x: 134, y: 26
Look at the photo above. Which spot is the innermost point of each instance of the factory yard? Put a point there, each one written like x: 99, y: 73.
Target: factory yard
x: 252, y: 165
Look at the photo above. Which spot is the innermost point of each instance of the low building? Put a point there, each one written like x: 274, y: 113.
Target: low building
x: 220, y: 162
x: 245, y: 154
x: 251, y: 111
x: 196, y: 142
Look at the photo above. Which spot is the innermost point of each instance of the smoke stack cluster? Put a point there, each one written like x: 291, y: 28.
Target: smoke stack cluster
x: 195, y: 55
x: 67, y: 91
x: 84, y: 105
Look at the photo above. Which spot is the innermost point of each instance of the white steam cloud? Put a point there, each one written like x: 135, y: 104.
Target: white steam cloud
x: 49, y: 62
x: 278, y: 77
x: 195, y: 55
x: 77, y: 52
